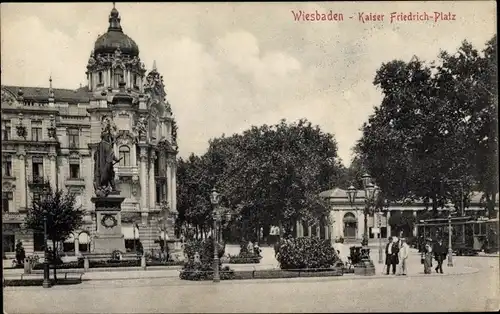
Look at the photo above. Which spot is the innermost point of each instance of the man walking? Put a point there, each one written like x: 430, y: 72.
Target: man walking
x: 391, y: 256
x: 404, y: 251
x: 439, y: 255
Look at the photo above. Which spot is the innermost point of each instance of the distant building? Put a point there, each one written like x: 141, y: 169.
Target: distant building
x: 346, y: 221
x: 49, y: 136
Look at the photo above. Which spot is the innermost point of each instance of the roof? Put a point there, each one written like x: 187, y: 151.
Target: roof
x: 42, y: 93
x: 340, y: 194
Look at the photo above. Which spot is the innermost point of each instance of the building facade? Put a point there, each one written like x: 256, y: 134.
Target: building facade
x: 347, y: 221
x: 49, y: 137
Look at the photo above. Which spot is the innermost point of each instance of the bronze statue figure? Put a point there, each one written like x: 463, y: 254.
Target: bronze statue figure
x: 104, y: 160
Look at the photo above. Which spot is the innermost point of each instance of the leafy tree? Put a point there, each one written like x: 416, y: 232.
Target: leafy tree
x: 436, y: 127
x: 276, y: 172
x: 63, y: 217
x: 401, y: 222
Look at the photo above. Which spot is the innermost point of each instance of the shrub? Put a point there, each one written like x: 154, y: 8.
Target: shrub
x: 203, y: 269
x: 245, y: 256
x: 304, y: 252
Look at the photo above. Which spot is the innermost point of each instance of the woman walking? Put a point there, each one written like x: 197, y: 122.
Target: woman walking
x: 427, y: 256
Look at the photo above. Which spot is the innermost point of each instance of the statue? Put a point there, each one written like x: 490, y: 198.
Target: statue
x: 140, y: 127
x: 104, y: 160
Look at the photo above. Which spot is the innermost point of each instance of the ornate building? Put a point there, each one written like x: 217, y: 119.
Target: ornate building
x: 49, y: 136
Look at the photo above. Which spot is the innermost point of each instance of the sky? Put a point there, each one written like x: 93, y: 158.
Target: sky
x: 228, y: 66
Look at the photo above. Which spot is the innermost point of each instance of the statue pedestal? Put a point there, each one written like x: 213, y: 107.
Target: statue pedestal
x: 109, y: 235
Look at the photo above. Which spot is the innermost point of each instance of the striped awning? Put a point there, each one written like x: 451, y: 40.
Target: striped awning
x: 83, y: 238
x: 129, y: 234
x: 70, y: 239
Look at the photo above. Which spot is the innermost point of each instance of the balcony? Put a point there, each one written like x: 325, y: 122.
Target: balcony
x: 126, y: 171
x: 13, y: 217
x: 37, y: 181
x: 75, y: 182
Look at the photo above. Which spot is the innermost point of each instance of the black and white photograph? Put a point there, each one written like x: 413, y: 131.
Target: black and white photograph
x: 249, y: 157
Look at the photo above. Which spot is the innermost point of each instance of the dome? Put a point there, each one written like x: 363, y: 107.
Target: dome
x: 115, y: 38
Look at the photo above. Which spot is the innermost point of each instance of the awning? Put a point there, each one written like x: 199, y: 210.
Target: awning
x: 70, y: 239
x: 129, y: 234
x: 83, y: 238
x: 163, y: 234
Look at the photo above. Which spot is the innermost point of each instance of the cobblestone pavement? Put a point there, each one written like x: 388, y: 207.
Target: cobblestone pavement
x: 476, y: 291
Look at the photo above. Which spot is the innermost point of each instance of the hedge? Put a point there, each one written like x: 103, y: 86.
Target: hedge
x: 38, y: 282
x: 310, y: 253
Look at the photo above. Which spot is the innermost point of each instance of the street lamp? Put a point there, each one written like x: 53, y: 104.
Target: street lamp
x: 214, y: 199
x: 371, y: 192
x: 449, y: 205
x: 46, y: 281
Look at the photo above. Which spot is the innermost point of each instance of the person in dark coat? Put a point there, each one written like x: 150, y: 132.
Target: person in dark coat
x: 440, y: 253
x: 391, y: 256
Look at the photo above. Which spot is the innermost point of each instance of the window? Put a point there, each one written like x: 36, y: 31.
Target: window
x: 136, y: 81
x: 74, y: 171
x: 74, y: 168
x: 38, y: 241
x: 36, y: 131
x: 158, y: 193
x: 157, y: 167
x: 7, y: 167
x: 124, y: 153
x: 6, y: 198
x: 36, y: 196
x: 7, y: 129
x: 37, y: 170
x: 118, y: 75
x: 74, y: 138
x: 9, y: 242
x: 100, y: 78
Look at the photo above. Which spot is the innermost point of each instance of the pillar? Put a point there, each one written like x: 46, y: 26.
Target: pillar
x: 388, y: 225
x: 327, y: 231
x: 297, y: 229
x: 415, y: 225
x: 174, y: 187
x: 318, y: 231
x: 77, y: 245
x: 22, y: 180
x: 53, y: 171
x: 152, y: 184
x: 143, y: 182
x: 169, y: 181
x: 309, y: 229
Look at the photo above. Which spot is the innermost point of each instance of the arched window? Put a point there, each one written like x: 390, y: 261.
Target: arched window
x: 124, y: 156
x: 118, y: 75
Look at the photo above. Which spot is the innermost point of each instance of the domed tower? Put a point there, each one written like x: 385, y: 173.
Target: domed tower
x: 115, y: 58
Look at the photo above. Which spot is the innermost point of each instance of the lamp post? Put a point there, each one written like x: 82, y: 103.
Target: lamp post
x: 46, y: 281
x: 214, y: 199
x: 371, y: 192
x: 380, y: 249
x: 450, y: 249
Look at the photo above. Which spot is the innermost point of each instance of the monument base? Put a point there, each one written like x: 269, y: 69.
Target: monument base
x: 109, y: 235
x: 108, y: 244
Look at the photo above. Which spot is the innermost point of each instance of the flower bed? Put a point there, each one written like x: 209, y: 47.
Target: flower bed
x: 270, y: 274
x: 244, y: 259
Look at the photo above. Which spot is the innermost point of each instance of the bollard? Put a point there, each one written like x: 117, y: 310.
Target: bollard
x: 27, y: 266
x: 86, y: 265
x: 143, y: 262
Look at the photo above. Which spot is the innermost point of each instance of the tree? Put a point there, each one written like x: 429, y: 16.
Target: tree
x: 63, y: 217
x: 401, y: 222
x: 436, y: 126
x: 275, y: 173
